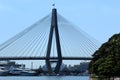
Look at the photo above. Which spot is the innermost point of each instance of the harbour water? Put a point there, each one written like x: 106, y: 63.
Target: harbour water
x: 44, y: 78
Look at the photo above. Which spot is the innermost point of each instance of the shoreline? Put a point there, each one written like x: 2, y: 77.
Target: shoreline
x: 117, y: 78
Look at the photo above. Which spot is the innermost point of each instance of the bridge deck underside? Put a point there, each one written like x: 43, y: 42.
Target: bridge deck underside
x: 44, y: 58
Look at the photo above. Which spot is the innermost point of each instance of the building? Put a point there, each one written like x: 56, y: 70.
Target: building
x: 8, y: 64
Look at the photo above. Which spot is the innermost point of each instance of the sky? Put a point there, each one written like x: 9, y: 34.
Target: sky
x: 98, y: 18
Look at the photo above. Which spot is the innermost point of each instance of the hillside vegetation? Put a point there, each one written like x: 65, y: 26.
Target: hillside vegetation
x: 106, y: 60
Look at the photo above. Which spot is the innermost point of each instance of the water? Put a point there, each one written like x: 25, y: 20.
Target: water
x: 46, y: 78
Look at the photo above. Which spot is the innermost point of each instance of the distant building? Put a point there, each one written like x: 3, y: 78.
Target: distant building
x: 8, y: 64
x: 44, y: 68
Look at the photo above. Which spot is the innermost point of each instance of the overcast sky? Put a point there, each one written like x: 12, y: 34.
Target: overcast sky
x: 99, y: 18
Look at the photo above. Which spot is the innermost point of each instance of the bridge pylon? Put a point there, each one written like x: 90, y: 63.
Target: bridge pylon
x: 54, y: 29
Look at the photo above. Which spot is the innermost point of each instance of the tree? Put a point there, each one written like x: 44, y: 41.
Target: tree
x: 106, y: 60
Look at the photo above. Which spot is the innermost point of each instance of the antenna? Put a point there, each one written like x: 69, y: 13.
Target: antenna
x: 53, y: 5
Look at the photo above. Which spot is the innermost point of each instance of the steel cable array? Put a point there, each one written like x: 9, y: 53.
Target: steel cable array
x: 32, y: 42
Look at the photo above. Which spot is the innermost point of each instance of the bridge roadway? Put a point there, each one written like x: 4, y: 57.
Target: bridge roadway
x: 44, y: 58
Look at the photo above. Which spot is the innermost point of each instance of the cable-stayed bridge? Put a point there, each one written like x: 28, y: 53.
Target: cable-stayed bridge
x: 52, y: 39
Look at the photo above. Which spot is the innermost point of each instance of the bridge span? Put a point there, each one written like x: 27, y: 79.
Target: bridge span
x: 44, y: 58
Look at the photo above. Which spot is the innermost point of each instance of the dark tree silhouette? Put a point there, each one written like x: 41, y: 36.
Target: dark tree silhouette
x: 106, y: 60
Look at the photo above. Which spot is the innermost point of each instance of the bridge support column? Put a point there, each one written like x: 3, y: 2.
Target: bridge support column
x: 54, y: 27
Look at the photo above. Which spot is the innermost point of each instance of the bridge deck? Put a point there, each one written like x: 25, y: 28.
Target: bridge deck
x: 44, y: 58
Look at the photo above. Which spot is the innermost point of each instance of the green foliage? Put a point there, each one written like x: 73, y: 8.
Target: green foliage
x: 106, y: 60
